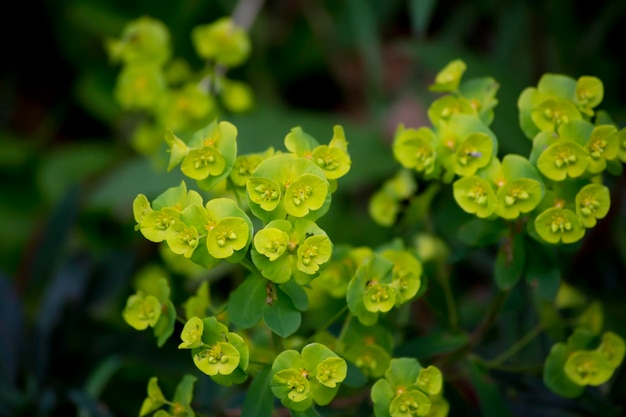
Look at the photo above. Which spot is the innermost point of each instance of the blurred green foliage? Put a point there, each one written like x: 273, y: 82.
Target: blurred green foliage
x: 68, y: 177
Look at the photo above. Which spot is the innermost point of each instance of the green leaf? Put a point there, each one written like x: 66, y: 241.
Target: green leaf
x: 421, y: 12
x: 436, y: 342
x: 247, y: 302
x: 492, y: 402
x: 165, y: 326
x: 542, y: 272
x: 554, y: 373
x: 297, y: 294
x: 510, y: 262
x: 184, y: 390
x: 259, y: 401
x: 281, y: 316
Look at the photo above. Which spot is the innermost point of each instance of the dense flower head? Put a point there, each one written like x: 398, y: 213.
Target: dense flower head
x: 300, y: 379
x: 222, y: 41
x: 144, y: 41
x: 286, y: 249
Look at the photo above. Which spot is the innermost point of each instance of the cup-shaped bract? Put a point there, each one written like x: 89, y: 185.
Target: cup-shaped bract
x: 333, y: 158
x: 155, y: 224
x: 284, y: 250
x: 222, y: 355
x: 405, y: 274
x: 314, y: 375
x: 286, y: 184
x: 178, y: 149
x: 430, y: 380
x: 602, y: 146
x: 144, y: 41
x: 139, y: 87
x: 448, y: 79
x: 520, y: 187
x: 237, y: 96
x: 313, y: 252
x: 557, y: 224
x: 307, y: 193
x: 182, y: 239
x: 371, y: 359
x: 518, y: 196
x: 245, y: 165
x: 229, y: 229
x: 553, y: 112
x: 613, y: 348
x: 588, y: 367
x: 191, y: 334
x: 370, y: 290
x: 400, y: 394
x: 592, y: 202
x: 155, y: 398
x: 415, y: 149
x: 142, y: 311
x: 221, y: 41
x: 212, y: 154
x: 475, y: 195
x: 473, y: 153
x: 589, y: 94
x: 444, y: 108
x: 186, y: 109
x: 563, y: 159
x: 409, y: 403
x: 271, y: 242
x: 481, y: 93
x: 141, y: 207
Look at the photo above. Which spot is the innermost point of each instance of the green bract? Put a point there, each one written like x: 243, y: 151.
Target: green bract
x: 222, y: 41
x: 222, y: 355
x: 613, y: 348
x: 144, y: 40
x: 192, y: 333
x: 229, y: 229
x: 556, y: 225
x: 588, y: 368
x: 245, y: 166
x: 563, y: 159
x: 212, y: 153
x: 602, y: 146
x: 473, y: 153
x: 386, y: 280
x: 312, y: 376
x: 481, y: 94
x: 155, y: 398
x: 520, y: 187
x: 406, y: 389
x: 142, y: 311
x: 589, y: 93
x: 443, y: 109
x: 288, y: 185
x: 139, y: 87
x: 448, y: 79
x: 415, y: 149
x: 188, y: 108
x: 592, y: 202
x: 475, y: 195
x: 284, y: 250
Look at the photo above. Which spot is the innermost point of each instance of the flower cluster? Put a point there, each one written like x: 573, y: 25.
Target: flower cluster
x: 409, y: 390
x: 311, y: 376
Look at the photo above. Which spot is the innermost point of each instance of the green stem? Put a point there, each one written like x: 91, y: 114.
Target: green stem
x: 330, y: 321
x: 444, y: 278
x: 345, y: 326
x: 279, y: 343
x: 515, y: 348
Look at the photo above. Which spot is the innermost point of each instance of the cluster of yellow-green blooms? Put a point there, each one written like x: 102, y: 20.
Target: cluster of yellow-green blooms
x: 409, y: 390
x: 558, y: 189
x: 178, y: 406
x: 166, y: 89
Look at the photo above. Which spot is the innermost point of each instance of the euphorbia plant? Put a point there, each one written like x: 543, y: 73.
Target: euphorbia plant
x: 261, y: 213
